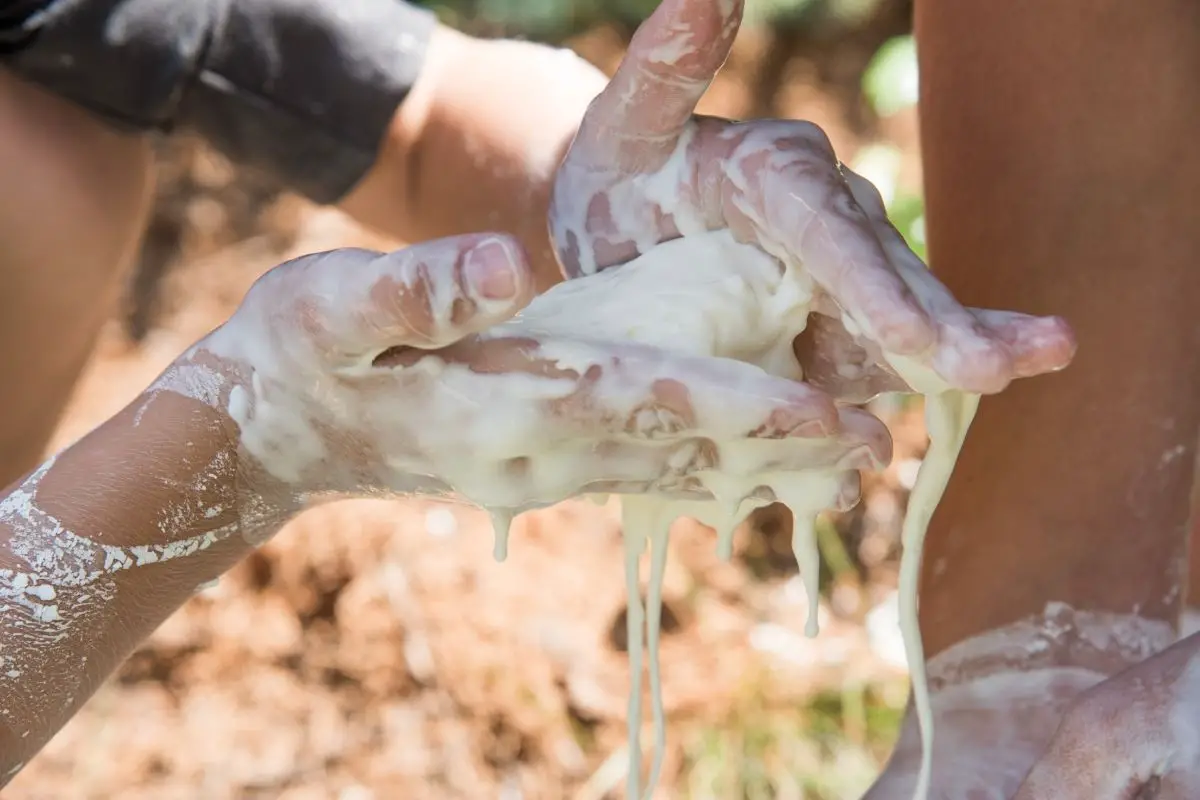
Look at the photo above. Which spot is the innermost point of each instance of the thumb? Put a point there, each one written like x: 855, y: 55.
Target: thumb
x: 426, y: 296
x: 635, y: 122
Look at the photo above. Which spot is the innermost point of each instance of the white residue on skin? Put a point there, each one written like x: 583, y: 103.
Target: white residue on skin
x: 58, y: 557
x: 1043, y: 639
x: 67, y: 578
x: 189, y: 380
x: 729, y: 300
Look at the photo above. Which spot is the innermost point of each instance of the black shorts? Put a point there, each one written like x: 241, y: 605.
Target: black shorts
x: 304, y: 89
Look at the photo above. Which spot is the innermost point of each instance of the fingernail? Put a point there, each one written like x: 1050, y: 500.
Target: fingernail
x: 491, y: 270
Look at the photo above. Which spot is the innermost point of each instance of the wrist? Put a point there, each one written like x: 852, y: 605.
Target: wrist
x: 175, y: 456
x: 99, y: 545
x: 172, y: 466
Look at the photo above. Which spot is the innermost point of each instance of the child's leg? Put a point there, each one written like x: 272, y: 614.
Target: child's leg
x: 74, y: 201
x: 1063, y: 177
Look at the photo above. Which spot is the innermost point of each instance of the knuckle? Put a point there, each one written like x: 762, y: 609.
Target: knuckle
x: 797, y: 136
x: 812, y: 134
x: 416, y: 309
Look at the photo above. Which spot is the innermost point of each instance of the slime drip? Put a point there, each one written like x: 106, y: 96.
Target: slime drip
x: 708, y: 295
x: 635, y: 530
x: 502, y: 519
x: 948, y: 416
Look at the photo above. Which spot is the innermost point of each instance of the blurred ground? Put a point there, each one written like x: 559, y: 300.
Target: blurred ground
x: 375, y: 650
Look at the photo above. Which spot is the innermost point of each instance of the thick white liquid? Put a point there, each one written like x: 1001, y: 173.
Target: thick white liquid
x: 709, y: 295
x: 948, y: 416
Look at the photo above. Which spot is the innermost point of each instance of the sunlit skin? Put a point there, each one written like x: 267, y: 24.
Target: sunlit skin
x: 1057, y: 180
x: 304, y: 392
x: 774, y: 183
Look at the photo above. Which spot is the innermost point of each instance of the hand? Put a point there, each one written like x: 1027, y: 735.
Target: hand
x: 986, y: 735
x: 365, y: 373
x: 1063, y: 705
x: 643, y: 169
x: 1135, y: 736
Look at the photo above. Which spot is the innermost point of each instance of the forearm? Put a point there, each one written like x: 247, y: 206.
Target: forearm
x: 476, y: 144
x: 415, y: 129
x: 97, y: 548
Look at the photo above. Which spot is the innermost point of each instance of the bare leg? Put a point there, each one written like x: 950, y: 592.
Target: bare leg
x: 1062, y: 177
x: 74, y: 201
x: 1193, y: 598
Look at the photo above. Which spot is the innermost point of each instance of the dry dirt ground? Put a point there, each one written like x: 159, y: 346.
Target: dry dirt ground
x: 375, y: 650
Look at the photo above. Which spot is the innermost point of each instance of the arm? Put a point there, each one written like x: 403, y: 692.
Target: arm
x: 476, y: 144
x: 413, y: 128
x: 98, y: 547
x: 319, y: 385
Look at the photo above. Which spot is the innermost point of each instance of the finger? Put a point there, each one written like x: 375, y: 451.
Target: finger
x: 425, y: 296
x: 862, y: 441
x: 807, y: 208
x: 967, y: 357
x: 624, y: 467
x: 1038, y: 345
x: 636, y: 391
x: 867, y: 439
x: 647, y: 393
x: 836, y: 363
x: 850, y: 491
x: 634, y: 123
x: 672, y: 469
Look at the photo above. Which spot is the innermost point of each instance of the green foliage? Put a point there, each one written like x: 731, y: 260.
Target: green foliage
x: 811, y: 13
x: 827, y: 750
x: 890, y: 84
x: 557, y: 19
x: 539, y: 19
x: 890, y: 80
x: 908, y: 215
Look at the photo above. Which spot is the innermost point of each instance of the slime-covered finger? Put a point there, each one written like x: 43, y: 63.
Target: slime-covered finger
x: 965, y: 354
x: 634, y: 124
x: 1038, y: 345
x: 353, y: 304
x: 646, y: 392
x: 805, y: 211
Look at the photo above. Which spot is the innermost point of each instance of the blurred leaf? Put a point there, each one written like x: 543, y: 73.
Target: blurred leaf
x: 890, y: 81
x: 880, y: 164
x: 908, y: 215
x: 529, y: 16
x: 853, y: 12
x: 767, y: 12
x: 833, y: 552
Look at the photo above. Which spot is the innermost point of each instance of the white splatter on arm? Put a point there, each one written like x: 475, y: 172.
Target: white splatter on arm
x: 97, y: 547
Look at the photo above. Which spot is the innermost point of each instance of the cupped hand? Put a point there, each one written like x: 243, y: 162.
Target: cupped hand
x: 1135, y: 736
x: 644, y: 168
x: 360, y: 372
